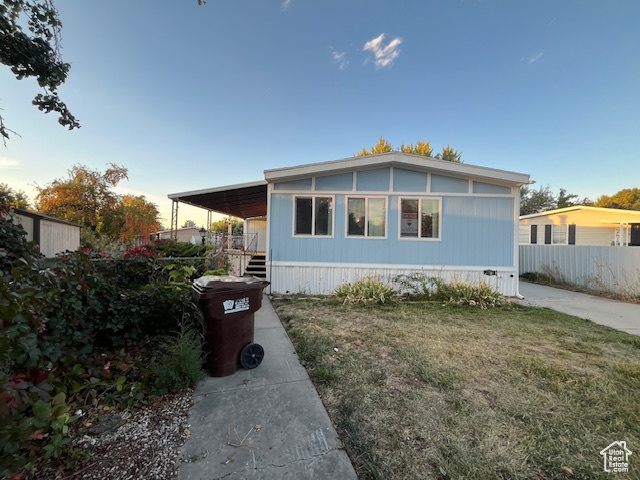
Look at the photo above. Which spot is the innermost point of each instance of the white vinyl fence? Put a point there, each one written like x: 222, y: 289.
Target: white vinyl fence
x: 616, y: 269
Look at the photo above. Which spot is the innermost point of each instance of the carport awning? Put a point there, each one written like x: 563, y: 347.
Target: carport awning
x: 244, y: 200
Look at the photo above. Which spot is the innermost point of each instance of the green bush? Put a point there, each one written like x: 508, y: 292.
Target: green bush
x: 217, y: 271
x: 537, y: 277
x: 153, y: 309
x: 418, y: 286
x: 478, y: 295
x: 180, y: 363
x: 366, y: 290
x: 61, y: 318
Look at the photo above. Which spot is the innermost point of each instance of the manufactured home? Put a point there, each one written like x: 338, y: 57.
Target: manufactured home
x: 319, y: 225
x: 581, y: 225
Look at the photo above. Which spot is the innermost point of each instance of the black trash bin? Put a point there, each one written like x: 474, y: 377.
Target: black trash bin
x: 227, y: 304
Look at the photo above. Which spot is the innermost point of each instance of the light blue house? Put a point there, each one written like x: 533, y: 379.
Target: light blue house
x: 323, y: 224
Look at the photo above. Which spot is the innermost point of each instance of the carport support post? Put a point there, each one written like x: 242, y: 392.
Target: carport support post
x: 174, y: 219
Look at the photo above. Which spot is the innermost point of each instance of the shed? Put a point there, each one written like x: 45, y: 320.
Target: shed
x: 51, y: 234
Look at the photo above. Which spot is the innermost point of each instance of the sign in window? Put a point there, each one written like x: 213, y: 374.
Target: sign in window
x: 419, y: 218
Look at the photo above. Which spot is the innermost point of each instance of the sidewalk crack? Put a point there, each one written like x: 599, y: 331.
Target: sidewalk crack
x: 286, y: 464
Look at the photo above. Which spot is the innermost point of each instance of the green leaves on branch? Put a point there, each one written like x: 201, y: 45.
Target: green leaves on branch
x: 35, y: 53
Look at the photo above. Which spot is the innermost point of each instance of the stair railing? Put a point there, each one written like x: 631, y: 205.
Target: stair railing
x: 252, y: 243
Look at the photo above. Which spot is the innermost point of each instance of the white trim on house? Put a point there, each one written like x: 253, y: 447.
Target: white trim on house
x: 267, y: 256
x: 608, y: 211
x: 391, y: 192
x: 418, y: 162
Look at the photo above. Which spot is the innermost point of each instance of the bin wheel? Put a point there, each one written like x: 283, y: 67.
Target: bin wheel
x: 251, y: 355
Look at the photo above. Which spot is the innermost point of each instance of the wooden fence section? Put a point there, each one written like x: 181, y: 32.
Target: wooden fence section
x: 615, y: 269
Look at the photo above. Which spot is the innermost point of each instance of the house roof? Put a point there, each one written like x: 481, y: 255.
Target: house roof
x: 244, y: 200
x: 415, y: 162
x: 248, y: 200
x: 27, y: 213
x: 608, y: 215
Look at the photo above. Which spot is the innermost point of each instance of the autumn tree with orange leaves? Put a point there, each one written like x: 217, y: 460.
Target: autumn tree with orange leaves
x: 86, y: 197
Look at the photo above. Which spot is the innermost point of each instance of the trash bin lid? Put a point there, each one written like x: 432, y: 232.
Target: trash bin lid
x: 216, y: 281
x: 212, y: 285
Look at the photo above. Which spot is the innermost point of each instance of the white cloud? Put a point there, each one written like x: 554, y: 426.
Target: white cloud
x: 384, y: 55
x: 6, y: 162
x: 341, y: 59
x: 536, y: 57
x: 285, y: 4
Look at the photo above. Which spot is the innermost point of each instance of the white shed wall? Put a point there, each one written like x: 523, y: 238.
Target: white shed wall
x: 27, y: 224
x: 58, y: 237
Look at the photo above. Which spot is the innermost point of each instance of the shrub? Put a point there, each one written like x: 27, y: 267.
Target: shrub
x: 366, y: 290
x: 180, y: 363
x: 537, y: 277
x: 478, y: 295
x: 217, y: 271
x: 418, y: 286
x: 153, y: 309
x: 54, y: 314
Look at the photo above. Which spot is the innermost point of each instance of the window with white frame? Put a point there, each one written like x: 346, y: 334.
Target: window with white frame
x: 559, y: 234
x: 367, y: 217
x: 313, y: 216
x: 419, y: 218
x: 524, y: 234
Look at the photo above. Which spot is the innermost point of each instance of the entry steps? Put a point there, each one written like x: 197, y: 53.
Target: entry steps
x: 257, y: 266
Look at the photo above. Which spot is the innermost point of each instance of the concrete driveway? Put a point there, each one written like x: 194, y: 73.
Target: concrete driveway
x: 604, y: 311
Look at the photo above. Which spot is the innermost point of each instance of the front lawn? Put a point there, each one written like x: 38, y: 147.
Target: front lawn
x: 422, y: 390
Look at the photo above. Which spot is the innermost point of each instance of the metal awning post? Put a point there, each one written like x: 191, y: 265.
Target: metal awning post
x: 174, y: 220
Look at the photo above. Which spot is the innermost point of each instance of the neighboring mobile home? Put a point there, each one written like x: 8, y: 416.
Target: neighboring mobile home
x: 184, y: 234
x: 327, y: 223
x: 581, y: 225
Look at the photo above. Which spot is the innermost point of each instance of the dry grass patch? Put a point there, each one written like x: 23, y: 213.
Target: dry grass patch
x: 430, y: 391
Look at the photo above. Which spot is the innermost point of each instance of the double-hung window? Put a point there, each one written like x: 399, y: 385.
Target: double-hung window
x: 367, y: 217
x: 420, y: 218
x: 313, y: 216
x: 559, y: 234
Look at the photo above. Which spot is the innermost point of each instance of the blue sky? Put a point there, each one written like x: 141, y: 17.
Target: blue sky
x: 190, y: 97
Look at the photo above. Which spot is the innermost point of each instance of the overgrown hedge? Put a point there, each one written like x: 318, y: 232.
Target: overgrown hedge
x: 72, y: 326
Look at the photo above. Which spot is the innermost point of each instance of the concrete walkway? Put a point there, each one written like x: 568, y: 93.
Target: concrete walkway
x: 264, y: 423
x: 604, y: 311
